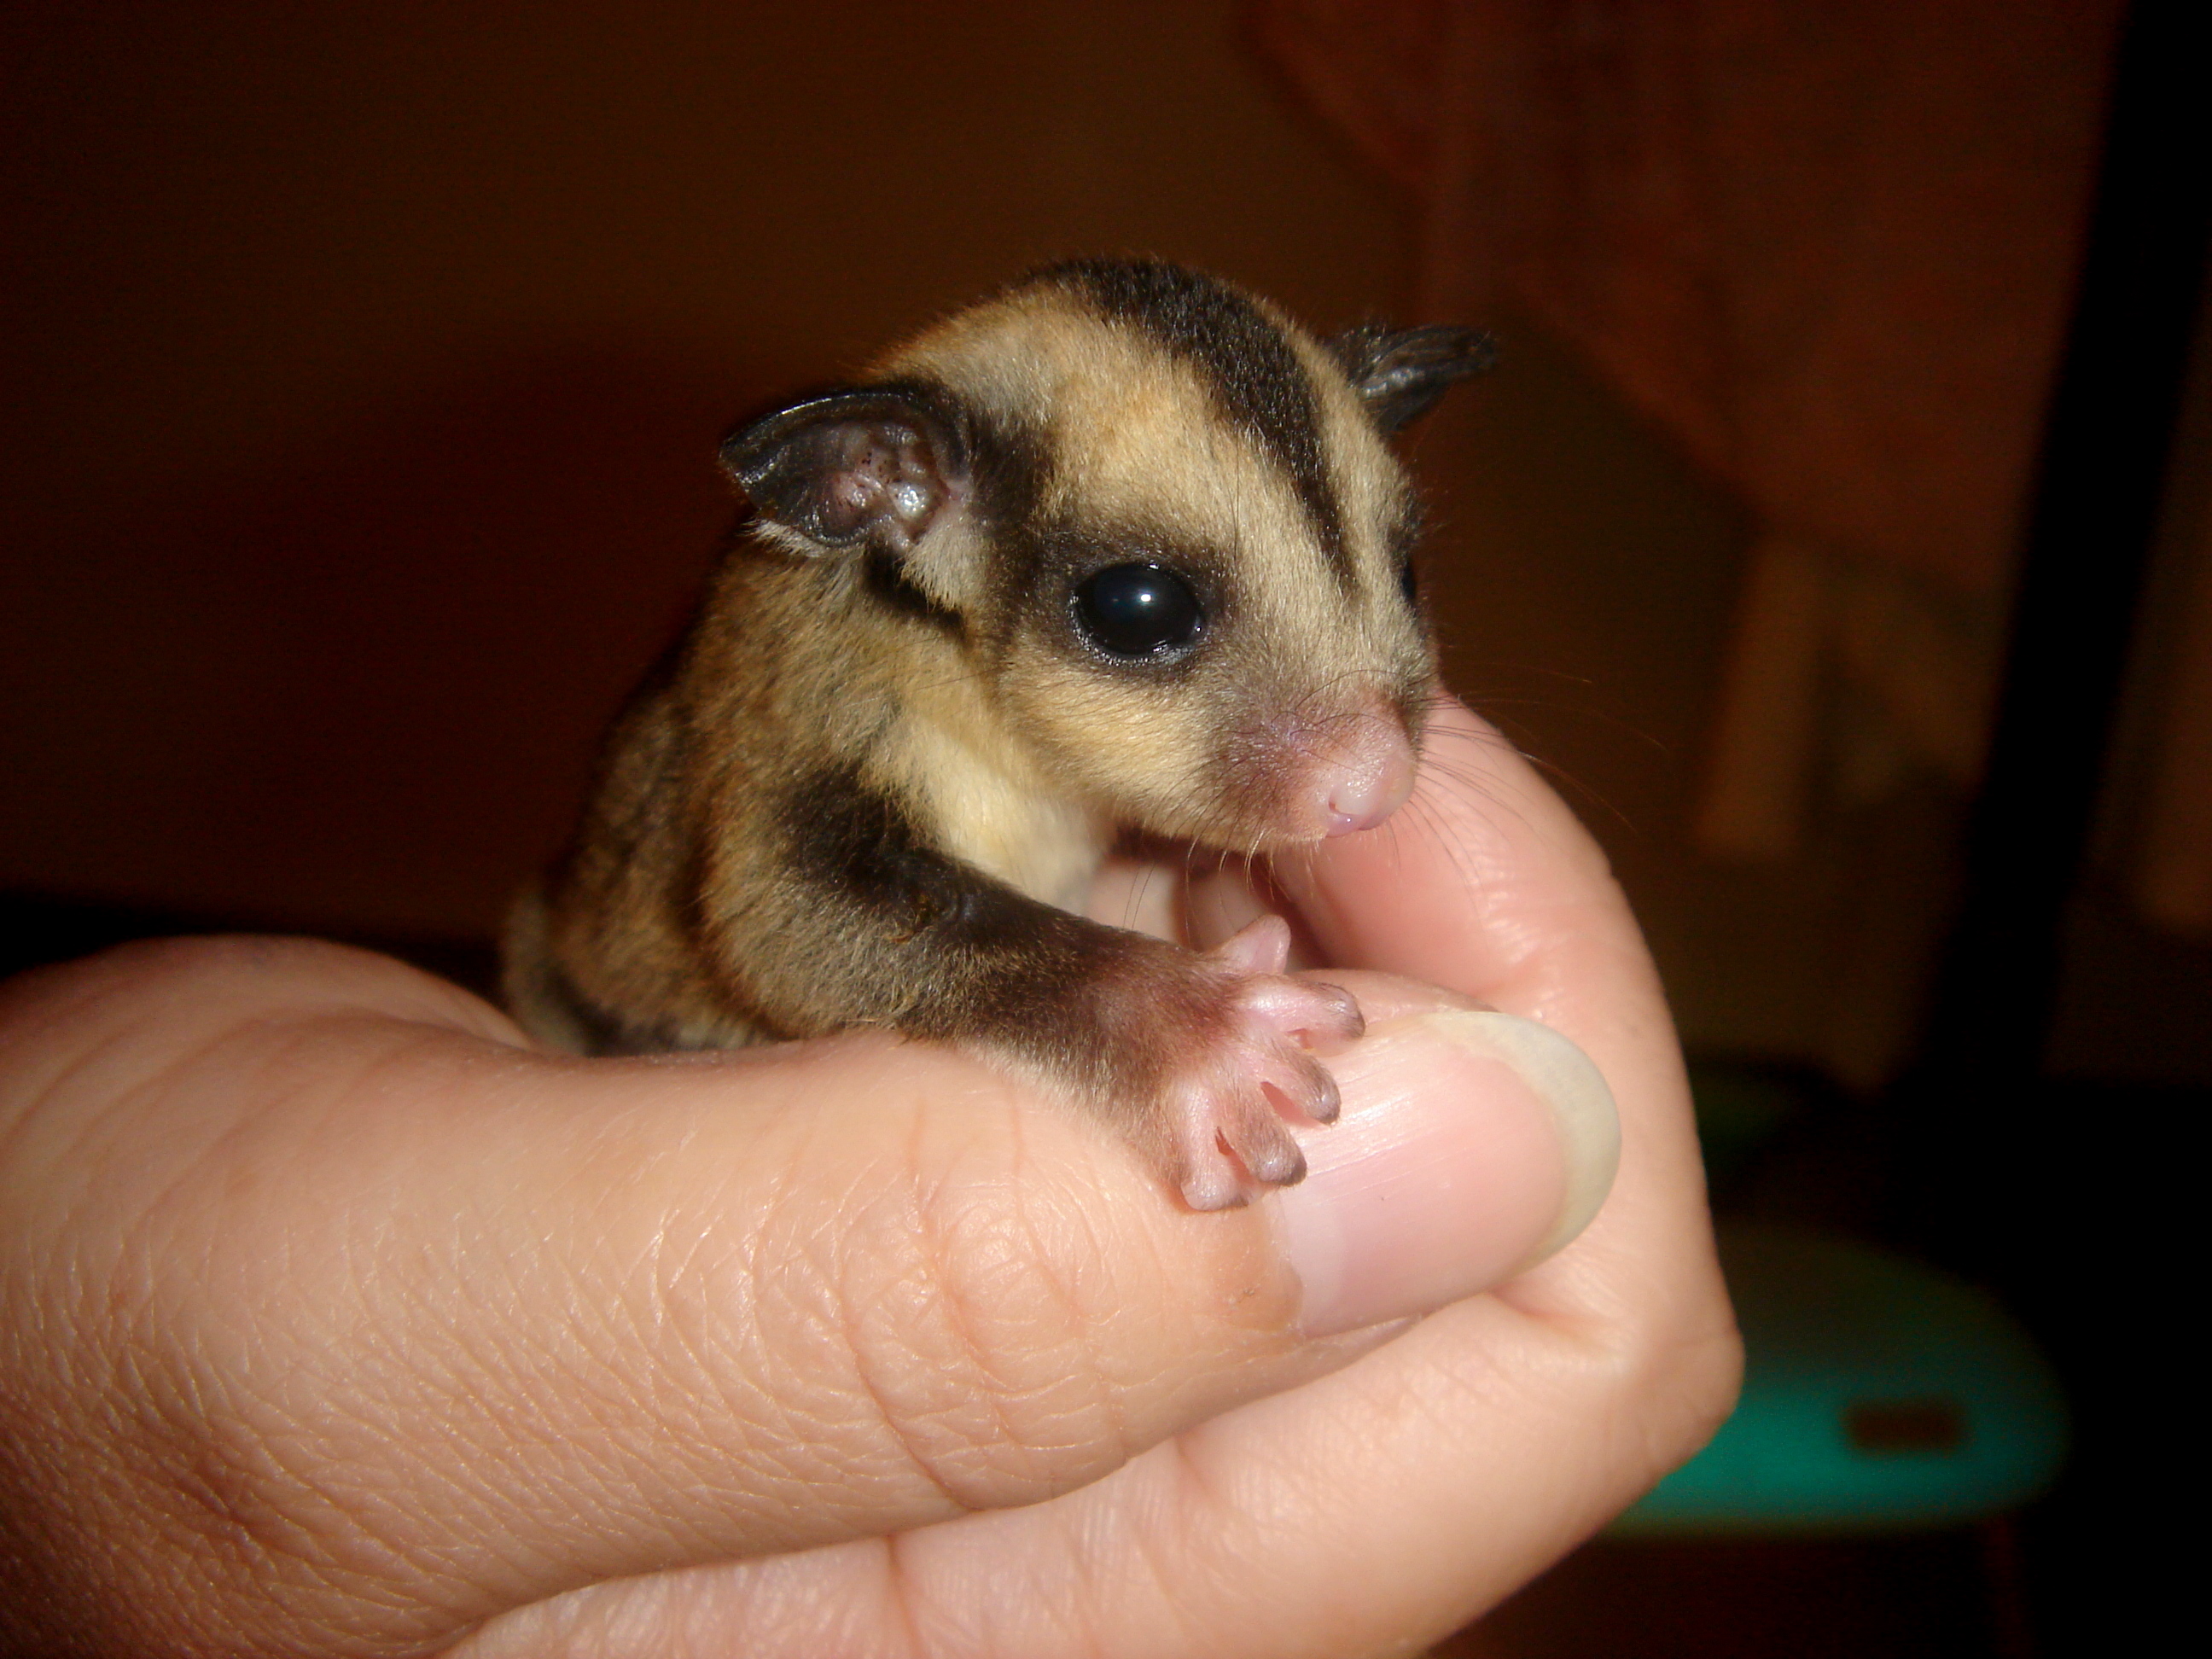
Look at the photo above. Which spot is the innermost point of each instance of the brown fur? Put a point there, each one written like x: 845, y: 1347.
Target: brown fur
x: 883, y: 768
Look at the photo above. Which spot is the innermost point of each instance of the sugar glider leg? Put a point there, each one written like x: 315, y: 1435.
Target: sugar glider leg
x: 1195, y: 1058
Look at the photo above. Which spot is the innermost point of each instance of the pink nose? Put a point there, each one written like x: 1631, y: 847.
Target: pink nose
x: 1363, y: 776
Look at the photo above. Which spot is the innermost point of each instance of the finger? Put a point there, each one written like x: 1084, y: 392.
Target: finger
x: 398, y: 1324
x: 1483, y: 882
x: 1372, y: 1511
x: 1486, y: 884
x: 1392, y: 1501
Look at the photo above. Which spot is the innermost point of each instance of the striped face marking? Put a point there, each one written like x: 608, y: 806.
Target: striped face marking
x: 1160, y: 526
x: 1246, y: 360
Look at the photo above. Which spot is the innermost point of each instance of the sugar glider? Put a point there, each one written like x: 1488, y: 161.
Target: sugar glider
x: 1120, y: 549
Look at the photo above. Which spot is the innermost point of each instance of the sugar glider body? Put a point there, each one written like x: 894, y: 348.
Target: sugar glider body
x: 1118, y: 549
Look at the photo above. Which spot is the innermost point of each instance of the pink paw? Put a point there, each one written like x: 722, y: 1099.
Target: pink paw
x: 1225, y: 1107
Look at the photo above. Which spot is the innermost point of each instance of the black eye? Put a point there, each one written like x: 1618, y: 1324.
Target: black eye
x: 1409, y: 584
x: 1139, y: 610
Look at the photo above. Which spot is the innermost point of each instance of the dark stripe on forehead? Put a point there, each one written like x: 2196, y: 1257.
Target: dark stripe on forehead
x: 1253, y: 375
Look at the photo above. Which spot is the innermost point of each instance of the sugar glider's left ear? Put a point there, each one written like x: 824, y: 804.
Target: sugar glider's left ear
x: 1400, y: 373
x: 869, y: 467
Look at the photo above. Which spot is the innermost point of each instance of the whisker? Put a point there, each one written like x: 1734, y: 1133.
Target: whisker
x: 1135, y: 906
x: 1479, y: 785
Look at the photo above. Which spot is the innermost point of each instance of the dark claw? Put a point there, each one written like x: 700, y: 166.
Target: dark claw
x: 1279, y: 1164
x: 1326, y: 1102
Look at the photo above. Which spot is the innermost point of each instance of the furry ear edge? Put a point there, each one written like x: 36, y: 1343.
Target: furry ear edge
x: 872, y: 464
x: 1401, y: 373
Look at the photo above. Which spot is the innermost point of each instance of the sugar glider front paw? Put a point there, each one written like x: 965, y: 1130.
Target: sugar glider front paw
x: 1225, y: 1103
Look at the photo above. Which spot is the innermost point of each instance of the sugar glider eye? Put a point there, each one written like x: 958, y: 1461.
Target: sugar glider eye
x: 1139, y: 610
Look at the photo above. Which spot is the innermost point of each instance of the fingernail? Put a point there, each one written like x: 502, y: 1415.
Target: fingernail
x: 1471, y: 1146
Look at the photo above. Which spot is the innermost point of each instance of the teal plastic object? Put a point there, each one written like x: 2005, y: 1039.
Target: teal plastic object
x: 1879, y: 1395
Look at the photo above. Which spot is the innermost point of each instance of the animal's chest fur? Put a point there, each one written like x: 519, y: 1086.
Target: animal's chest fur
x: 984, y: 801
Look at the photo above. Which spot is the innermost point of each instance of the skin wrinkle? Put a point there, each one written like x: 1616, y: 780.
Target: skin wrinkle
x: 1703, y: 1418
x: 768, y: 1620
x: 1106, y: 1398
x: 938, y: 1253
x: 778, y: 1205
x: 1101, y: 1399
x: 793, y: 1423
x: 624, y: 1458
x: 1074, y: 1621
x: 634, y: 1331
x: 943, y: 1251
x: 904, y: 1253
x: 893, y: 1422
x: 1182, y: 1490
x: 664, y: 1330
x: 532, y: 1423
x: 94, y: 1149
x: 297, y: 1563
x: 1544, y: 1395
x: 901, y: 1591
x: 935, y: 1260
x: 951, y: 1630
x: 191, y: 1439
x: 454, y: 1570
x: 452, y: 1363
x: 1430, y: 1406
x: 1163, y: 1566
x: 1062, y: 1585
x: 1104, y: 1393
x: 383, y: 1505
x: 108, y: 1038
x: 593, y: 1281
x: 1236, y: 1531
x: 458, y: 1330
x: 42, y: 1092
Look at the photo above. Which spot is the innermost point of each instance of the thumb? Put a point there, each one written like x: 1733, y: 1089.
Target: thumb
x: 357, y: 1317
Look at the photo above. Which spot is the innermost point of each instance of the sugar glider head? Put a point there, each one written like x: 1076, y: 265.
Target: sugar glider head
x: 1162, y: 525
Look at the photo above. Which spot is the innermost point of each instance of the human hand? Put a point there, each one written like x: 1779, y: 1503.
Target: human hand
x: 335, y: 1320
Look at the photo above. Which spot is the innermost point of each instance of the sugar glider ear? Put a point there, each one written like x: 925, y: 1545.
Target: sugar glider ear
x: 873, y: 464
x: 1400, y: 373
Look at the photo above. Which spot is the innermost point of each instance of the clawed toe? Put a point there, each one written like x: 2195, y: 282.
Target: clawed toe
x: 1308, y: 1088
x: 1301, y: 1009
x: 1227, y: 1142
x: 1269, y: 1154
x: 1225, y: 1110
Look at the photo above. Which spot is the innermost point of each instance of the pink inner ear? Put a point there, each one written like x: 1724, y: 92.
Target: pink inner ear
x: 879, y: 475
